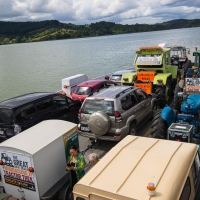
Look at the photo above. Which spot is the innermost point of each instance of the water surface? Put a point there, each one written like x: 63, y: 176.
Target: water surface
x: 40, y: 66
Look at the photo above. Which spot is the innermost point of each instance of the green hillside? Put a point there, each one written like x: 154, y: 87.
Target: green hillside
x: 21, y: 32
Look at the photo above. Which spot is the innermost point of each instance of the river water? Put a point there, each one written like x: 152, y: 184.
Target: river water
x: 40, y: 66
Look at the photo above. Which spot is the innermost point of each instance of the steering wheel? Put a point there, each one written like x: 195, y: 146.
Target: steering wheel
x: 190, y: 104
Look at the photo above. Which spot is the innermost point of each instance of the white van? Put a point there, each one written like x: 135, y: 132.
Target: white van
x: 170, y: 168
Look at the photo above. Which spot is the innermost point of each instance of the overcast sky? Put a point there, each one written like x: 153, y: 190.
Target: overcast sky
x: 90, y: 11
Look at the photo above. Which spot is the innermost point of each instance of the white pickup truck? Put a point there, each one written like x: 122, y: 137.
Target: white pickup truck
x: 33, y: 162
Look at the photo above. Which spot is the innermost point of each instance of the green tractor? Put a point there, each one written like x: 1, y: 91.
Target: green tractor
x: 154, y: 72
x: 189, y: 84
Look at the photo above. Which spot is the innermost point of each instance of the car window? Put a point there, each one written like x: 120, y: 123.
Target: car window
x: 44, y: 105
x: 25, y: 113
x: 83, y: 90
x: 108, y: 84
x: 69, y: 101
x: 116, y: 77
x: 186, y: 190
x: 60, y: 101
x: 141, y: 95
x: 128, y: 101
x: 101, y: 86
x: 6, y: 116
x: 91, y: 106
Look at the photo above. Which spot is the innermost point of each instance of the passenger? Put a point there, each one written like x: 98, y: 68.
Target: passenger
x: 93, y: 159
x: 76, y: 165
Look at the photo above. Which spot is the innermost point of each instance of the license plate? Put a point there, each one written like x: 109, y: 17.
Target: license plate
x: 1, y: 132
x: 84, y: 128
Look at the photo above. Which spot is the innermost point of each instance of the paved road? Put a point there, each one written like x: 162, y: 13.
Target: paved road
x: 104, y: 146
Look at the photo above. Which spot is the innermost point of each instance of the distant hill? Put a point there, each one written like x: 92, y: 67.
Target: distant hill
x: 21, y: 32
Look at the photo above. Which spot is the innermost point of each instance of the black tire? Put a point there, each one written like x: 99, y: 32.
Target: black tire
x: 132, y: 129
x: 169, y: 83
x: 178, y: 77
x: 183, y: 70
x: 185, y: 67
x: 160, y: 93
x: 177, y: 99
x: 161, y: 96
x: 155, y: 107
x: 189, y: 64
x: 158, y: 127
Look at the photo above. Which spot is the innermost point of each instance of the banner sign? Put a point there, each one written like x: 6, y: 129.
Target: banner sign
x: 192, y: 85
x: 70, y: 138
x: 15, y: 170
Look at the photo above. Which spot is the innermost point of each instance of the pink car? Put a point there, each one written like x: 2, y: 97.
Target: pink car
x: 86, y: 88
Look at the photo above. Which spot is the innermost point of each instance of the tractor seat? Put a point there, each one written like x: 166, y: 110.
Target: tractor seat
x: 190, y: 73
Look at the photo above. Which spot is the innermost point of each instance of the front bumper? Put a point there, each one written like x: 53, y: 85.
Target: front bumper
x: 103, y: 137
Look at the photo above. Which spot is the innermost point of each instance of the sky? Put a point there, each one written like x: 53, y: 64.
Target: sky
x: 82, y: 12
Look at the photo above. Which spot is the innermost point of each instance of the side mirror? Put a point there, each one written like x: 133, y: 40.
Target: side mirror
x: 107, y: 77
x: 180, y: 94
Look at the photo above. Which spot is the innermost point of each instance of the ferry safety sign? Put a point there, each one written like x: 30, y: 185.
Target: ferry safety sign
x: 15, y: 170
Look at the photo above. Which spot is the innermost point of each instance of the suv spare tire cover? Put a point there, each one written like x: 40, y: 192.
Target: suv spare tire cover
x: 99, y: 123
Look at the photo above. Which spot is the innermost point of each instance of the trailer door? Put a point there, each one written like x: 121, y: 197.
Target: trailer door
x: 17, y: 179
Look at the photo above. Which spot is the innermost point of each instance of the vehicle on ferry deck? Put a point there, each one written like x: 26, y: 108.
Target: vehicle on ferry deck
x: 117, y: 76
x: 22, y: 112
x: 114, y: 113
x: 144, y: 168
x: 87, y: 88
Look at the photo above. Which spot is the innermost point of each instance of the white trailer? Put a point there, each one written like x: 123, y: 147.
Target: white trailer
x: 69, y: 83
x: 33, y: 162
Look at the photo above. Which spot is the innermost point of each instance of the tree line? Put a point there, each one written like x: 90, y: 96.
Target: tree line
x: 22, y: 32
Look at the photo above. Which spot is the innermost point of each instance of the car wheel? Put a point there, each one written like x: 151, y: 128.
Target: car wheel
x: 132, y: 129
x: 99, y: 123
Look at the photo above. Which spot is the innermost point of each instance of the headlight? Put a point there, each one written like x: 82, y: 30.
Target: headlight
x: 184, y: 135
x: 17, y: 129
x: 171, y: 133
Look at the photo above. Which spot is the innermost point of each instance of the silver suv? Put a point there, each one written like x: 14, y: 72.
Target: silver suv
x: 115, y: 112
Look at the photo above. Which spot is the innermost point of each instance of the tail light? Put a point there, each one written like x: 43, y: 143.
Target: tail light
x: 195, y: 68
x: 17, y: 129
x: 118, y: 117
x: 1, y: 162
x: 31, y: 169
x: 79, y: 113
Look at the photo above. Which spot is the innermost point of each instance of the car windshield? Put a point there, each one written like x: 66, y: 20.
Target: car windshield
x: 116, y: 77
x: 6, y: 116
x: 149, y: 60
x: 91, y: 106
x: 83, y: 90
x: 176, y: 53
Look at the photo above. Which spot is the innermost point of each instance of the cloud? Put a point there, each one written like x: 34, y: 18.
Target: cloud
x: 90, y: 11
